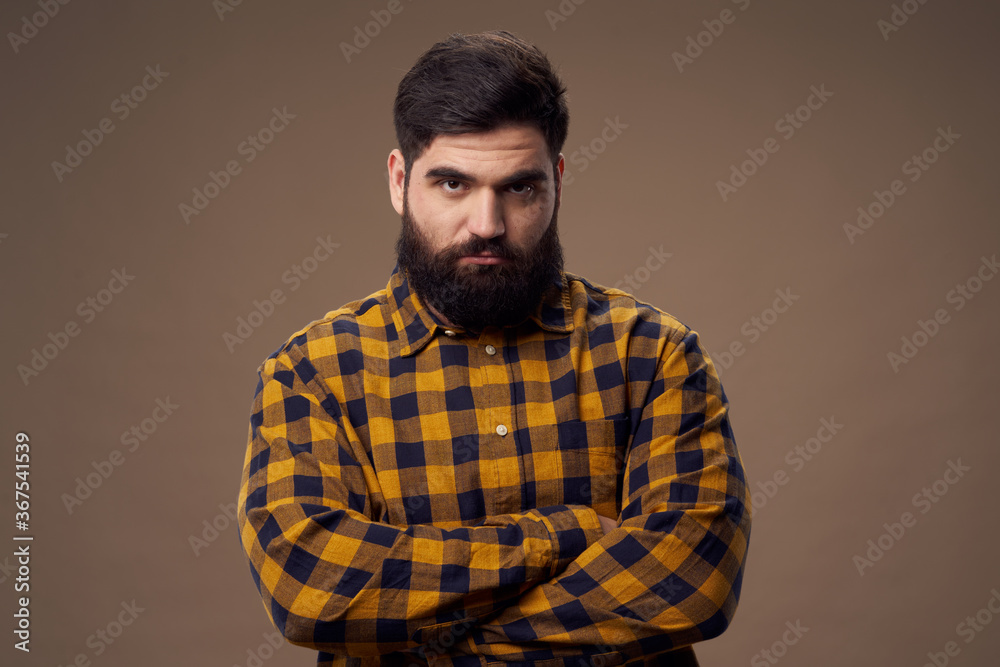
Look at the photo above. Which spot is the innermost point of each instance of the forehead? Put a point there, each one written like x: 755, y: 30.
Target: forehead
x: 505, y: 149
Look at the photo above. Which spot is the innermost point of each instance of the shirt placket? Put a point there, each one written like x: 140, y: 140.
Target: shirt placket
x: 497, y: 423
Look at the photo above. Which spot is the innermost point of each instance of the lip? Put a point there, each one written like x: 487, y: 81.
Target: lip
x: 484, y: 259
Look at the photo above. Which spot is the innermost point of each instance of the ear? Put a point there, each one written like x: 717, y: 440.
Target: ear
x: 559, y: 178
x: 397, y: 177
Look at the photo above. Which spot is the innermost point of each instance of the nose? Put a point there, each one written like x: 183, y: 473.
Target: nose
x: 486, y: 216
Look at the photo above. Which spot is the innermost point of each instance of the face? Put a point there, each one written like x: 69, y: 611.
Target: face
x: 479, y: 240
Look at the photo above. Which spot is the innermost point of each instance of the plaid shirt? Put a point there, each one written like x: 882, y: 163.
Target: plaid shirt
x: 417, y: 494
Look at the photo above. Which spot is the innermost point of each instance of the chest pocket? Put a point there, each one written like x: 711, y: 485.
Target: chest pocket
x: 577, y: 463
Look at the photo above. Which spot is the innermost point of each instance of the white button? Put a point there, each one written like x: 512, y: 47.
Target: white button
x: 449, y: 332
x: 490, y: 350
x: 501, y: 430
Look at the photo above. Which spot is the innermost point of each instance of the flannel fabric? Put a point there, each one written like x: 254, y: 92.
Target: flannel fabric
x: 417, y: 494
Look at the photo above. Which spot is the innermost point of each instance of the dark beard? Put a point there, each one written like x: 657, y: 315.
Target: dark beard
x: 475, y: 296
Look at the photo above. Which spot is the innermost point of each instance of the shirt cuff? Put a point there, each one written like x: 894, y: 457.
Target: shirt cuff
x: 572, y: 529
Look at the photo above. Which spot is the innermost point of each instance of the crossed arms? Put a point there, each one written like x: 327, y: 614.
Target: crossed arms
x: 549, y: 581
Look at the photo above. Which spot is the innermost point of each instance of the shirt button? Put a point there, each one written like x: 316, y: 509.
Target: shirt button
x: 501, y: 430
x: 490, y: 350
x: 449, y: 332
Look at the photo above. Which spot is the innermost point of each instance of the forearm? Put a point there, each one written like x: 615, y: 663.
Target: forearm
x: 636, y: 592
x: 337, y: 582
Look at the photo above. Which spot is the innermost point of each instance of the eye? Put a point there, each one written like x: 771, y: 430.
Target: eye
x: 522, y: 189
x: 451, y: 185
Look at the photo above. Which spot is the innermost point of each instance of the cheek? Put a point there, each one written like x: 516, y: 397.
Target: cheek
x: 439, y: 223
x: 532, y: 223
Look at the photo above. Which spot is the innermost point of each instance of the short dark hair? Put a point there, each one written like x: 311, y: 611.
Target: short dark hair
x: 478, y: 83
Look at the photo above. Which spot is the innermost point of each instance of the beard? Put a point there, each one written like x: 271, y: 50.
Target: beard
x: 475, y: 296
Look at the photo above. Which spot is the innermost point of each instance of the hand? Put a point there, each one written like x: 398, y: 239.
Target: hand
x: 607, y: 524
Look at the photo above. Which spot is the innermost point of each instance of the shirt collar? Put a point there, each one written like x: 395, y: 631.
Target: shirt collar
x: 416, y: 325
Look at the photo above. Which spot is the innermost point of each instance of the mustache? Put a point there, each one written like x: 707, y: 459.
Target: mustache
x: 497, y: 246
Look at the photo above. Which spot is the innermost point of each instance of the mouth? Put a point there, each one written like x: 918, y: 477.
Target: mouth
x: 484, y: 258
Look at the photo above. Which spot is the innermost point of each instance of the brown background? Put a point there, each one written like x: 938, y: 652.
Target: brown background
x: 655, y: 185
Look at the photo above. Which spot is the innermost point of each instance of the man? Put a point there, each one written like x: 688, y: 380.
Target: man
x: 492, y: 460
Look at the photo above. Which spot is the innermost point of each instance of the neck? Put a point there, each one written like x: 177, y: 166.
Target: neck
x: 437, y: 314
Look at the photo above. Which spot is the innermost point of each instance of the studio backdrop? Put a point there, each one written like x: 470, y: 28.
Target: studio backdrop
x: 809, y: 185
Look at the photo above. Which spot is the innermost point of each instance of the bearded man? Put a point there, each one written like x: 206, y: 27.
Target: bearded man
x: 492, y: 460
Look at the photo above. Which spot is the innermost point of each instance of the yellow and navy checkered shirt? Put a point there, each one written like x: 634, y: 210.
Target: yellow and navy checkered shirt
x: 417, y: 494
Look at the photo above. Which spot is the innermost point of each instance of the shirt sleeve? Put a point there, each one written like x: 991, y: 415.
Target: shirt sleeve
x: 335, y: 578
x: 670, y: 574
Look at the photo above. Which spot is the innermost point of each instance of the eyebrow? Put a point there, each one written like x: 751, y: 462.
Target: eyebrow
x: 530, y: 174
